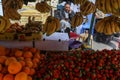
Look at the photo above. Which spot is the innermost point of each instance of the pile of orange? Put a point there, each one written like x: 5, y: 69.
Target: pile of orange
x: 17, y: 64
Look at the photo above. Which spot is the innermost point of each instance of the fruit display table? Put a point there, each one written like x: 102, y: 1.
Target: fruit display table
x: 16, y: 44
x: 55, y: 42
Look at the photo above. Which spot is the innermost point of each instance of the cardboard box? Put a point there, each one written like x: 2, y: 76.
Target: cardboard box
x: 55, y: 42
x: 25, y: 13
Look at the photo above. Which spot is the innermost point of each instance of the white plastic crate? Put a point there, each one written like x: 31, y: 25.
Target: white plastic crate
x: 55, y: 42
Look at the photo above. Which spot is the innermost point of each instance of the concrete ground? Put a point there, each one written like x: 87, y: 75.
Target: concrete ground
x: 113, y: 44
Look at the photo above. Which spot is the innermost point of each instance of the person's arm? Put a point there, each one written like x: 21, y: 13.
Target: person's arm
x: 62, y: 15
x: 71, y: 14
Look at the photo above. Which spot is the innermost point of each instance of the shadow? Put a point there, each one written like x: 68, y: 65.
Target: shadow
x: 116, y: 39
x: 112, y: 45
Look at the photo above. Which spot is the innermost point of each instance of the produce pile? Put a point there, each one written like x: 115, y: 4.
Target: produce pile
x: 32, y: 64
x: 111, y: 6
x: 15, y: 31
x: 51, y: 25
x: 11, y: 8
x: 43, y: 7
x: 19, y: 64
x: 77, y: 20
x: 87, y: 7
x: 4, y: 24
x: 80, y: 65
x: 84, y: 11
x: 108, y: 25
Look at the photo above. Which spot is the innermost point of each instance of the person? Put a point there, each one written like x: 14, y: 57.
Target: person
x: 65, y: 15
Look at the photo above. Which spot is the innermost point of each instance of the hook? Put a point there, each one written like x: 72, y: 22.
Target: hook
x: 59, y: 40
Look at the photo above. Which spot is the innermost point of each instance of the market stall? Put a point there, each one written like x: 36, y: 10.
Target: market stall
x: 33, y: 48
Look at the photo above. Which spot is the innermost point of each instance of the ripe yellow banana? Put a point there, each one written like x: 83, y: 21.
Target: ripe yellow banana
x: 57, y: 24
x: 117, y: 28
x: 45, y: 27
x: 90, y: 8
x: 102, y: 6
x: 105, y: 30
x: 51, y: 28
x: 114, y: 4
x: 108, y: 28
x: 108, y: 6
x: 77, y: 21
x: 97, y: 4
x: 2, y: 23
x: 112, y: 27
x: 73, y: 21
x: 118, y: 1
x: 84, y: 10
x: 20, y: 3
x: 99, y: 26
x: 7, y: 24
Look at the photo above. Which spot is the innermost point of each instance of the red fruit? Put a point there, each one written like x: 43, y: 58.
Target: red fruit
x: 103, y: 78
x: 63, y: 78
x: 113, y: 78
x: 100, y: 64
x: 81, y: 78
x: 59, y: 67
x: 76, y: 70
x: 76, y: 78
x: 77, y: 74
x: 94, y: 76
x: 56, y: 74
x: 67, y: 64
x: 99, y: 76
x: 87, y: 69
x: 111, y: 71
x: 94, y: 61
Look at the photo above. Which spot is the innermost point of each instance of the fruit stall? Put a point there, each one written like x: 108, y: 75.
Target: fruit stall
x: 33, y: 48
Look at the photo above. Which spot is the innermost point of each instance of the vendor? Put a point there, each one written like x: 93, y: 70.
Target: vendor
x: 65, y: 15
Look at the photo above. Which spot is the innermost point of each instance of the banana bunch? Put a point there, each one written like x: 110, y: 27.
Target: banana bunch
x: 43, y: 7
x: 77, y: 20
x: 12, y: 14
x: 87, y: 8
x: 10, y: 8
x: 80, y: 1
x: 109, y: 6
x: 17, y: 4
x: 108, y: 25
x: 51, y: 25
x: 4, y: 24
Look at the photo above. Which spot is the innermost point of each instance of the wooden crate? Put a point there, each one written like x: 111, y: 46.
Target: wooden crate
x: 29, y: 36
x: 7, y: 36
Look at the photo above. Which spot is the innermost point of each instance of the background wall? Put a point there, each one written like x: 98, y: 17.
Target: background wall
x: 1, y: 11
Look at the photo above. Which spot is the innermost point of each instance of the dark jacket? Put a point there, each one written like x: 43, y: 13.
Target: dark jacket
x: 60, y: 14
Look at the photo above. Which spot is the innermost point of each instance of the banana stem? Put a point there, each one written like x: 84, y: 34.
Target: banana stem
x: 91, y: 27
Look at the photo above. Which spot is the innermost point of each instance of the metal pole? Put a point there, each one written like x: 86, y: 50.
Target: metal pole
x: 91, y: 27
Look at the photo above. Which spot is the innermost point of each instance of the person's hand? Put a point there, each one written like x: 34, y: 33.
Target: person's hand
x: 66, y: 19
x: 70, y: 11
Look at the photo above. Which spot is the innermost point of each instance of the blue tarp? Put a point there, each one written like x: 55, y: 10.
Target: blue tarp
x: 87, y: 24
